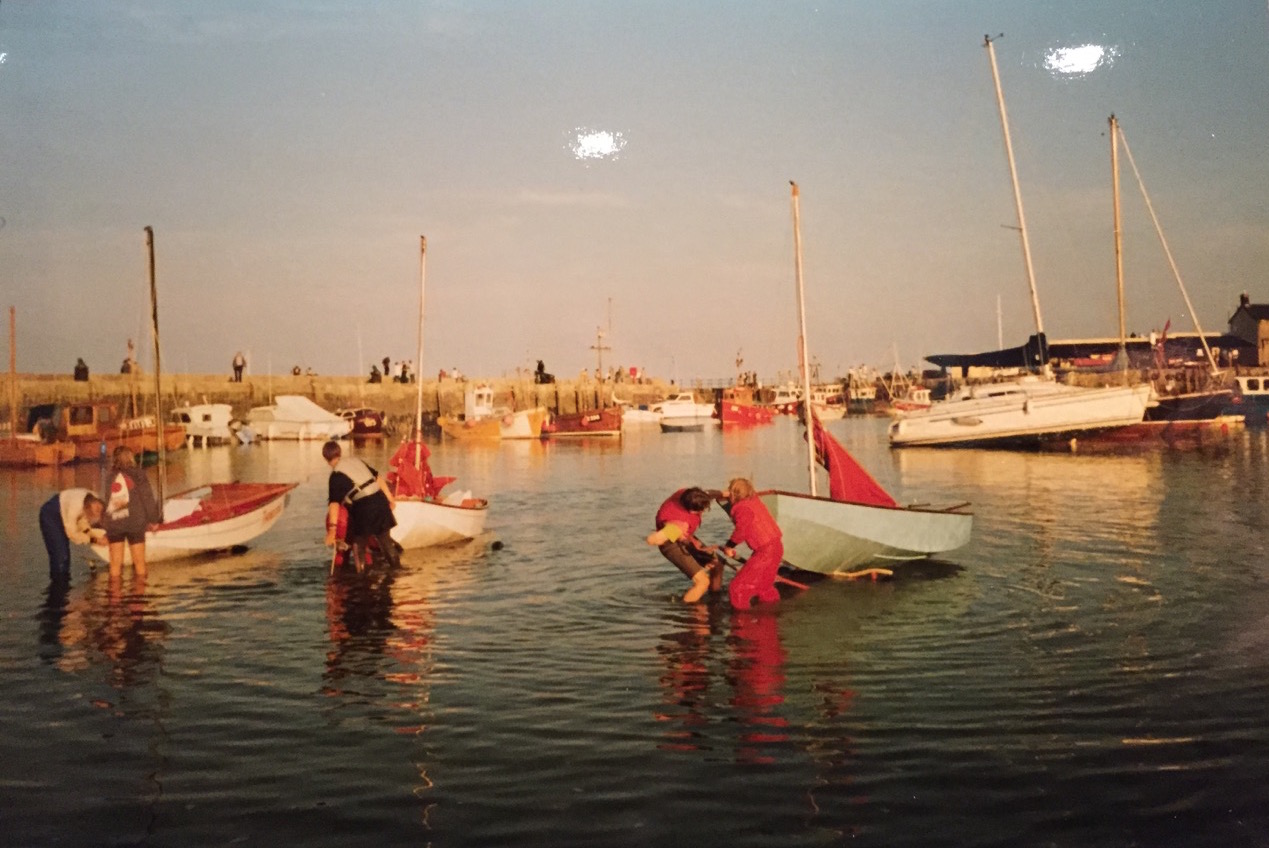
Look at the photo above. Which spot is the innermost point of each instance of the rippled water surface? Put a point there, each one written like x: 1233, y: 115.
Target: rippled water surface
x: 1093, y: 669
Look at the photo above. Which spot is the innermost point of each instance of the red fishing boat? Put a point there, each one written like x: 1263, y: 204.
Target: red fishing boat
x: 591, y: 422
x: 739, y: 405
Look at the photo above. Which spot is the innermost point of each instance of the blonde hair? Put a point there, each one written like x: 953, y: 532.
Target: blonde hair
x: 740, y: 488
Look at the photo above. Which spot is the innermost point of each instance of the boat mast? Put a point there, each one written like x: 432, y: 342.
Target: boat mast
x: 802, y: 357
x: 1017, y: 199
x: 1119, y: 252
x: 13, y: 374
x: 160, y: 431
x: 418, y: 395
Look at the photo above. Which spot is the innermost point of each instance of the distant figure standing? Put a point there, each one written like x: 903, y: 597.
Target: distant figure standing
x: 387, y: 367
x: 81, y: 370
x: 358, y: 488
x: 240, y: 362
x: 131, y: 510
x: 756, y: 528
x: 73, y: 515
x: 130, y: 361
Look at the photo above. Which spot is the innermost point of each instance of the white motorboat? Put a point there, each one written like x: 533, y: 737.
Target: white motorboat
x: 296, y: 417
x: 859, y: 523
x: 208, y: 423
x: 424, y: 518
x: 682, y: 411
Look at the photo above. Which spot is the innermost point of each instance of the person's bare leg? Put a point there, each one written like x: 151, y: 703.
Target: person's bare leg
x: 700, y: 585
x: 116, y: 559
x: 138, y: 558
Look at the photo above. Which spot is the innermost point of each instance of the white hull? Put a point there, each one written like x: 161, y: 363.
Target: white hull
x: 182, y: 542
x: 827, y: 536
x: 422, y: 524
x: 523, y: 423
x: 824, y: 412
x: 1019, y: 411
x: 639, y: 416
x: 295, y: 417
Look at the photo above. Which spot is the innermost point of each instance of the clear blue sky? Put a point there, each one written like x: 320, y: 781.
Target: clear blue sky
x: 289, y: 153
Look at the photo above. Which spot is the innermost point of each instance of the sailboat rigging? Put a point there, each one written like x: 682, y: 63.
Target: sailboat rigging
x: 1034, y: 410
x: 217, y: 516
x: 424, y: 518
x: 859, y: 523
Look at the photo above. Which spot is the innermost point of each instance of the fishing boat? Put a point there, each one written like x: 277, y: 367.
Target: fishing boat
x: 828, y: 402
x: 26, y: 449
x: 1250, y: 399
x: 296, y: 418
x: 214, y: 517
x: 482, y: 420
x: 366, y: 423
x: 424, y: 517
x: 912, y: 398
x: 592, y: 422
x: 1033, y: 409
x: 739, y: 405
x: 96, y: 428
x: 785, y: 399
x: 859, y: 524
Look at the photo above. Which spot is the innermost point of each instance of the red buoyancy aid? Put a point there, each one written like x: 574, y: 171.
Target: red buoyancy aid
x: 673, y: 510
x: 754, y: 524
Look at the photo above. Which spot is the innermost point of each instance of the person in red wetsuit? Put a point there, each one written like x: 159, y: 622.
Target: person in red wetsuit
x: 756, y: 528
x: 676, y: 523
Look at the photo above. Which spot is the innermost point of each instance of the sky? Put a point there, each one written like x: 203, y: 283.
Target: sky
x: 586, y: 166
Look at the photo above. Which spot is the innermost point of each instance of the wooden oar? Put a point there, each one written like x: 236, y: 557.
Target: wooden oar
x: 778, y: 578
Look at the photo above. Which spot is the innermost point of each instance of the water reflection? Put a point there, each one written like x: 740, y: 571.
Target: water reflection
x: 721, y: 661
x: 110, y: 625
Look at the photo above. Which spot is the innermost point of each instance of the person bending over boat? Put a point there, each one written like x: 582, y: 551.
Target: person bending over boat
x: 131, y: 510
x: 358, y: 487
x: 72, y: 515
x: 676, y: 523
x: 756, y: 528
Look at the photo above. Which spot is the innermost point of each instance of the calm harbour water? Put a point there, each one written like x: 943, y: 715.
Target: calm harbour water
x: 1091, y: 670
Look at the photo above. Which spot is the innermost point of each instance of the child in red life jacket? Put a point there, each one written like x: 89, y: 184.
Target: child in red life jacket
x: 676, y: 523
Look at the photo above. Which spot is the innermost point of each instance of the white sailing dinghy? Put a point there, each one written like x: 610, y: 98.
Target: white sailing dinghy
x: 859, y: 524
x: 215, y: 517
x: 424, y: 518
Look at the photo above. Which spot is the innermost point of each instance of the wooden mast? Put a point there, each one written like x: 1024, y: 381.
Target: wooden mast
x: 418, y: 368
x: 1017, y: 199
x: 802, y: 357
x: 160, y: 431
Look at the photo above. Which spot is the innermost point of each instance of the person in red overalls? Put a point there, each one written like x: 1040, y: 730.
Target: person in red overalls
x: 676, y: 522
x: 757, y: 529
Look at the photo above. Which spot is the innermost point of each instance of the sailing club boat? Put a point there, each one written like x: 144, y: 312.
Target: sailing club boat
x: 1033, y: 409
x: 424, y: 518
x: 859, y: 523
x: 214, y: 517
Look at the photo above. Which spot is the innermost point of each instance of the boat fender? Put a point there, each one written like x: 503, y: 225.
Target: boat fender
x: 1026, y: 406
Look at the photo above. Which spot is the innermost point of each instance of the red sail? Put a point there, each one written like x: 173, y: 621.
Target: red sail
x: 847, y: 479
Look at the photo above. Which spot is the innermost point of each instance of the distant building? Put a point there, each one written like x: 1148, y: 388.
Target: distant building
x: 1250, y: 324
